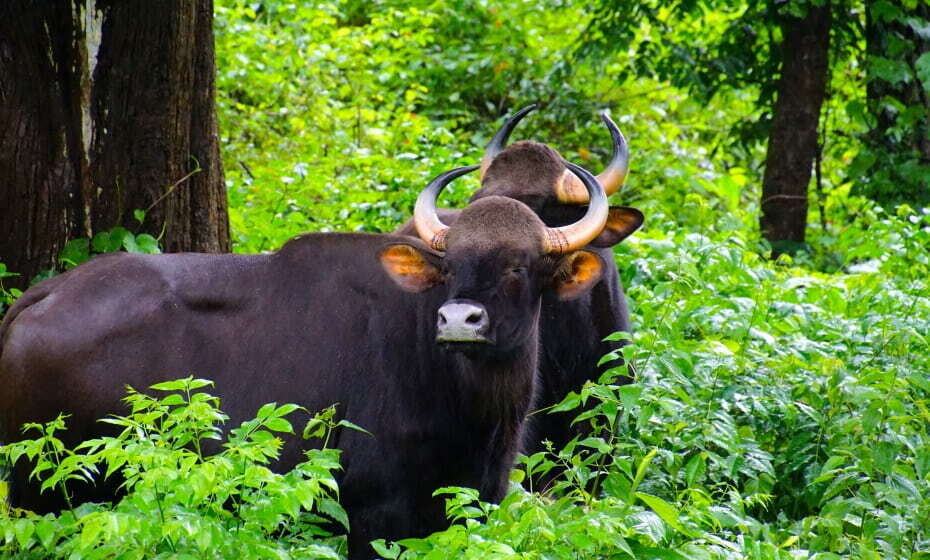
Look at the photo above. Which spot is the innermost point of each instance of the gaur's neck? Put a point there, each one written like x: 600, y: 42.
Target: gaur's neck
x: 499, y: 392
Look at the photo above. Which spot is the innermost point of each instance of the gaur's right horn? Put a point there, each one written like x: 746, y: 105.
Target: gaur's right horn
x: 499, y: 142
x: 561, y: 240
x: 570, y: 188
x: 430, y: 228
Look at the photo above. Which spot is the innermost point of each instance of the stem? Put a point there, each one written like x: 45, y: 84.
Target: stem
x: 171, y: 188
x: 161, y: 514
x: 187, y: 392
x: 61, y: 484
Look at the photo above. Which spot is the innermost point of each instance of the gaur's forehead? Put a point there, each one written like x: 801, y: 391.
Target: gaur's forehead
x: 524, y: 168
x: 496, y: 223
x: 527, y: 154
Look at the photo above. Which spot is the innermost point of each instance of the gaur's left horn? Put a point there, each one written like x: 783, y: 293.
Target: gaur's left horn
x: 571, y: 190
x: 430, y: 228
x: 499, y: 142
x: 574, y: 236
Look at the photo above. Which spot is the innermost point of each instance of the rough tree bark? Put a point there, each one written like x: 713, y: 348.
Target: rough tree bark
x: 792, y: 143
x: 106, y: 107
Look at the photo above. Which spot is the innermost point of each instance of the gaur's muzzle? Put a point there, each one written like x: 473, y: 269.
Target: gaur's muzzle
x: 462, y: 321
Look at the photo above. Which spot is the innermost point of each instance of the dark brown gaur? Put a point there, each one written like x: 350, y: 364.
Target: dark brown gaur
x: 572, y: 332
x: 569, y: 189
x: 442, y: 372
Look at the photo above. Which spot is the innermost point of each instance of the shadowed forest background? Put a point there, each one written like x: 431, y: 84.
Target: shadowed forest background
x: 780, y: 152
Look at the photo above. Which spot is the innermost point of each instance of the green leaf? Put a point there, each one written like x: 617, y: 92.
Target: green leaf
x: 891, y: 71
x: 315, y: 428
x: 334, y: 511
x: 101, y: 243
x: 286, y: 409
x: 571, y: 401
x: 129, y: 243
x: 351, y: 426
x: 45, y: 530
x: 642, y: 468
x: 629, y: 395
x: 695, y: 469
x: 665, y: 510
x: 266, y: 410
x: 279, y: 425
x: 177, y: 385
x: 75, y: 252
x: 619, y: 335
x: 145, y: 243
x: 198, y: 383
x: 389, y: 552
x: 90, y: 533
x: 24, y: 529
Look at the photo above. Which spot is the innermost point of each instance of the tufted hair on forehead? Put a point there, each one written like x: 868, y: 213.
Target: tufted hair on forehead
x: 496, y: 221
x: 525, y: 170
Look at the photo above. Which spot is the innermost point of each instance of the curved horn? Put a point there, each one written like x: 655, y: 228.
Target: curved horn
x: 430, y: 228
x: 571, y: 190
x: 573, y: 236
x: 499, y: 142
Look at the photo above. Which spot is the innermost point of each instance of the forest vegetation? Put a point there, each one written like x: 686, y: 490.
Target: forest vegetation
x: 781, y: 408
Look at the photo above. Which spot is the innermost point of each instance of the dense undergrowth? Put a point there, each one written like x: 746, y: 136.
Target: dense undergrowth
x: 781, y: 409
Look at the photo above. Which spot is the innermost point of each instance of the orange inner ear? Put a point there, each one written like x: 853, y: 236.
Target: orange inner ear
x: 621, y: 222
x: 580, y: 271
x: 402, y: 259
x: 409, y: 270
x: 585, y: 267
x: 621, y: 219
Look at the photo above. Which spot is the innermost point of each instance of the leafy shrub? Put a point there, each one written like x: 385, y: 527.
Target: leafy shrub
x: 7, y: 296
x: 180, y: 501
x: 778, y: 413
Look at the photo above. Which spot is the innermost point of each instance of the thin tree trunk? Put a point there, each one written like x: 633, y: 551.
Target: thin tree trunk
x: 792, y: 144
x: 109, y: 111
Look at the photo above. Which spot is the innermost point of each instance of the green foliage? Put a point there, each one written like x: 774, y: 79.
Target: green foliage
x: 778, y: 413
x: 893, y: 162
x: 81, y: 249
x: 780, y: 409
x: 334, y: 115
x: 7, y: 296
x: 181, y: 501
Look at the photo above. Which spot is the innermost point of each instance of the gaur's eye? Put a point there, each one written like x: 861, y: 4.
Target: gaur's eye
x: 517, y: 271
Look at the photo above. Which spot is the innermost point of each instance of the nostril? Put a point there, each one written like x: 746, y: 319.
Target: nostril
x: 474, y: 317
x: 442, y: 318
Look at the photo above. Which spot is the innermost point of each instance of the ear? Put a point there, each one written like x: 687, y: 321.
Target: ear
x: 576, y: 273
x: 621, y: 222
x: 410, y: 268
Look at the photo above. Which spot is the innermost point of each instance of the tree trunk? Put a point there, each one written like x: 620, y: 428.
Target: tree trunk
x: 107, y: 107
x: 42, y: 162
x: 792, y: 144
